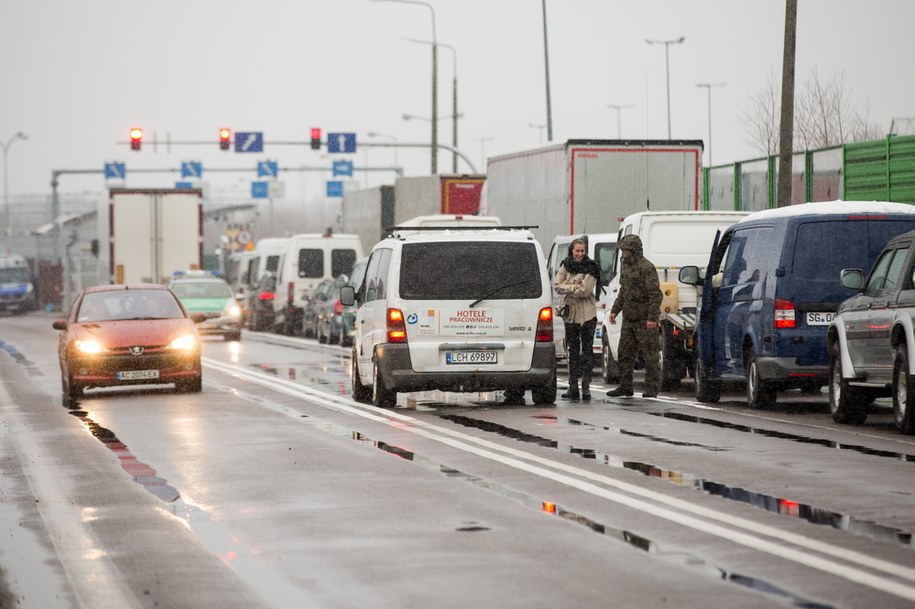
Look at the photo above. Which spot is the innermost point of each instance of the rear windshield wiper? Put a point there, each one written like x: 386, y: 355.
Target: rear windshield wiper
x: 497, y: 290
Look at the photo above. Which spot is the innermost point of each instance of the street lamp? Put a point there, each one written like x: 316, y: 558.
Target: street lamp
x: 540, y: 127
x: 483, y: 141
x: 389, y: 137
x: 6, y: 195
x: 708, y: 87
x: 454, y: 104
x: 434, y: 80
x: 619, y: 110
x: 667, y: 44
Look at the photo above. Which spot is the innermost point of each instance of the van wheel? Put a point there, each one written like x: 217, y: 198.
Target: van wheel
x: 546, y: 394
x: 382, y: 397
x: 610, y: 370
x: 672, y: 360
x: 706, y: 390
x: 903, y: 398
x: 760, y: 394
x: 361, y: 393
x: 71, y: 392
x: 847, y: 404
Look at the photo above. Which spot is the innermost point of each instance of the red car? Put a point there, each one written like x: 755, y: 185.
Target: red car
x: 119, y: 335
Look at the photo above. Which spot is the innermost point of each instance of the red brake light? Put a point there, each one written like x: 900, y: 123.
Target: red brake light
x: 290, y: 293
x: 338, y: 307
x: 784, y: 313
x: 266, y: 296
x: 396, y: 330
x: 544, y: 332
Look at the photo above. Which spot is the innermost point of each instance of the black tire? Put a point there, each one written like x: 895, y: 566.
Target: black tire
x: 72, y: 392
x: 706, y: 389
x: 546, y: 394
x: 903, y: 392
x: 673, y: 360
x: 760, y: 393
x: 232, y: 336
x: 847, y: 404
x: 513, y: 397
x: 610, y: 369
x: 382, y: 397
x: 320, y: 334
x: 361, y: 393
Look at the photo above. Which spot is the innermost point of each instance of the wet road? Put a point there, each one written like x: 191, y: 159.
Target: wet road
x: 273, y: 488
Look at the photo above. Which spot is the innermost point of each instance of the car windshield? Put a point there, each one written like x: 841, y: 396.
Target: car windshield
x: 128, y: 304
x: 201, y: 289
x: 468, y: 270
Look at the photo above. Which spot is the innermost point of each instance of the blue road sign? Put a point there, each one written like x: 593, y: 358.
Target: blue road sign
x: 343, y: 168
x: 334, y: 188
x: 260, y: 190
x: 115, y: 171
x: 184, y: 185
x: 267, y: 169
x: 341, y: 142
x: 249, y: 141
x: 191, y: 169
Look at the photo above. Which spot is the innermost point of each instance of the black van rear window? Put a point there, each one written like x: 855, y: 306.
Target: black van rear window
x: 828, y: 247
x: 460, y: 270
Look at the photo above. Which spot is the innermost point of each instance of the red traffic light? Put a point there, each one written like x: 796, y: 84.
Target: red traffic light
x: 225, y: 135
x: 315, y: 138
x: 136, y: 138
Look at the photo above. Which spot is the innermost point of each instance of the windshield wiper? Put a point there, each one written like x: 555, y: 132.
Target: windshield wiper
x: 497, y: 290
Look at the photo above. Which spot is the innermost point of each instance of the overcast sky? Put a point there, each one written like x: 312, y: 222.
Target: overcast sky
x: 75, y: 76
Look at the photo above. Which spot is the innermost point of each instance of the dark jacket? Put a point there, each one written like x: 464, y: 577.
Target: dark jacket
x: 640, y: 296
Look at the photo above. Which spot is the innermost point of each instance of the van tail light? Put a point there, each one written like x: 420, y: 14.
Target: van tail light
x: 338, y: 307
x: 396, y: 330
x: 544, y: 326
x: 290, y: 293
x: 784, y: 313
x: 266, y: 296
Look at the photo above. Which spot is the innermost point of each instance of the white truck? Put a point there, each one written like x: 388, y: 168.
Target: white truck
x: 153, y: 232
x: 17, y: 284
x: 587, y: 186
x: 670, y: 240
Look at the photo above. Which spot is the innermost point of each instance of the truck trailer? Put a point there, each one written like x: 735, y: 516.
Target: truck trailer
x: 153, y: 232
x: 588, y: 186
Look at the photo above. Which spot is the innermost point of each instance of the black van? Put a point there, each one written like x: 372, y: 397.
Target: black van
x: 772, y: 287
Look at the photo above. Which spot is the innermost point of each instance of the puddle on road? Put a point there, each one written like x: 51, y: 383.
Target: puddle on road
x: 769, y: 503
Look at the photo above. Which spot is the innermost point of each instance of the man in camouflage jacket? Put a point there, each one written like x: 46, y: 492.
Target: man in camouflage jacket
x: 639, y: 300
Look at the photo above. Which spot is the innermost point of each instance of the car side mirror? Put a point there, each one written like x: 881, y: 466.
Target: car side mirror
x: 59, y: 324
x: 690, y: 275
x: 347, y: 296
x: 853, y: 279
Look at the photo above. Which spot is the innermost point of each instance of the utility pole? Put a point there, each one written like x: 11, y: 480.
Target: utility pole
x: 786, y: 127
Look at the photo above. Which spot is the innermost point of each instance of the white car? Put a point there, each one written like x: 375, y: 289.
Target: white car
x: 450, y: 310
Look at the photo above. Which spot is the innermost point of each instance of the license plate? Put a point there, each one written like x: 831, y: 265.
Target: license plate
x: 135, y: 375
x: 471, y: 357
x: 820, y: 319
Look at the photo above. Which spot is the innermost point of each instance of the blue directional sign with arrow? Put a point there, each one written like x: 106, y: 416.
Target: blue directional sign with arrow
x: 249, y: 141
x: 192, y: 169
x: 341, y: 142
x: 267, y: 169
x: 115, y: 171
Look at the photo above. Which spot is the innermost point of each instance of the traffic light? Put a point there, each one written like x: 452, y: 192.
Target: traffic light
x: 136, y: 138
x: 315, y: 138
x: 224, y: 136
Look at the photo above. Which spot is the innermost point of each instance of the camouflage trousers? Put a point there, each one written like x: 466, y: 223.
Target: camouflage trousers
x: 638, y: 341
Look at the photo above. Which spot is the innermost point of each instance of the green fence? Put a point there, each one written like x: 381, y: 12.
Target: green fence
x: 880, y: 170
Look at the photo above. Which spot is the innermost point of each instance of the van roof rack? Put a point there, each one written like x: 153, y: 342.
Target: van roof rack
x: 478, y: 227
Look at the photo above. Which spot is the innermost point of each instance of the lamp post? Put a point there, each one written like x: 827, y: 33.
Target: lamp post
x: 434, y: 80
x: 708, y: 87
x: 389, y: 137
x: 6, y: 195
x: 454, y: 101
x: 667, y: 44
x: 619, y: 110
x: 483, y: 141
x: 540, y: 127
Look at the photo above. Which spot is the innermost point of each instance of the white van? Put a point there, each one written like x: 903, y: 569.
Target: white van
x: 602, y: 248
x: 309, y: 259
x: 456, y: 311
x: 453, y: 220
x: 267, y: 256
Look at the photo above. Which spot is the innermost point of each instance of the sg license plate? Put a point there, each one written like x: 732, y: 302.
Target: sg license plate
x: 134, y: 375
x: 820, y: 319
x: 471, y: 357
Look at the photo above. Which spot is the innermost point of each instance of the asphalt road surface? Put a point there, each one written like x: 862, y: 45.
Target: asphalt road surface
x: 273, y: 488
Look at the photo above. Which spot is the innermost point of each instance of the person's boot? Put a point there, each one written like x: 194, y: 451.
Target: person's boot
x: 585, y: 389
x: 619, y: 392
x: 572, y: 393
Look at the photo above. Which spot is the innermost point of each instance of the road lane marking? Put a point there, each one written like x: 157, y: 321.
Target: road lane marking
x: 646, y: 500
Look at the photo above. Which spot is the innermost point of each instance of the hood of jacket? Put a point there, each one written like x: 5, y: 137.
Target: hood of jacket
x: 631, y: 243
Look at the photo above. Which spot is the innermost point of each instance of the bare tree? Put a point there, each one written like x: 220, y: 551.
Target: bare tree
x: 760, y: 118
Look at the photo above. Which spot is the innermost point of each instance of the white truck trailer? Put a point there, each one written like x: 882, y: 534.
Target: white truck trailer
x: 153, y: 232
x: 588, y: 186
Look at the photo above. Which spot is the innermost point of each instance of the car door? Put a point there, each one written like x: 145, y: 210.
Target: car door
x: 875, y: 350
x: 371, y: 318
